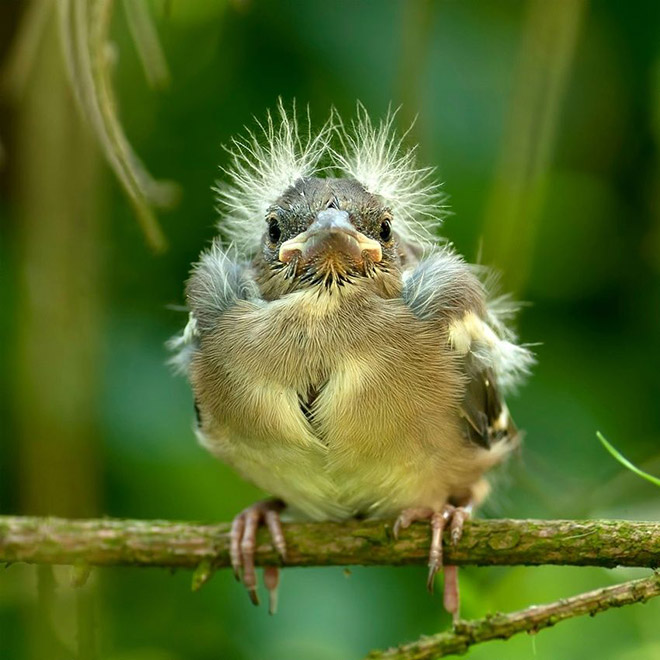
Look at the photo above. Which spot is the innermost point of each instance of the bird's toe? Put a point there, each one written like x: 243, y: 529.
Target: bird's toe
x: 243, y: 544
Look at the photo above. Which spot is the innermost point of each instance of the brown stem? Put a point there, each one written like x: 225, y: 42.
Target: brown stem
x: 530, y: 620
x: 185, y: 545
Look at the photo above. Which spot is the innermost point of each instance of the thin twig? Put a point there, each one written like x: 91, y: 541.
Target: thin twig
x: 187, y: 545
x: 530, y: 620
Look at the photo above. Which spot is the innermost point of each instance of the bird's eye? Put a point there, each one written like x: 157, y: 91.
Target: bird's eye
x: 274, y: 231
x: 386, y: 230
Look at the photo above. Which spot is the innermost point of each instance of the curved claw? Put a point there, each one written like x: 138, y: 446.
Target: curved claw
x: 458, y: 518
x: 235, y: 536
x: 274, y: 525
x: 450, y: 515
x: 248, y: 545
x: 408, y: 516
x: 243, y: 542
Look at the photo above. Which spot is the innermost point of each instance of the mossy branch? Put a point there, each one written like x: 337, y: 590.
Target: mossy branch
x: 530, y: 620
x: 205, y: 547
x: 156, y: 543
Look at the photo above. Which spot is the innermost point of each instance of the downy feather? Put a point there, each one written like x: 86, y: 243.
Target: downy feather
x: 271, y: 158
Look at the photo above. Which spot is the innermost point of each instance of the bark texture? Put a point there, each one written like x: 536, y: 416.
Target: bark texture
x: 502, y: 626
x: 107, y: 542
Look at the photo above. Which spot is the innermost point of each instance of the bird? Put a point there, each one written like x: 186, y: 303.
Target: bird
x: 342, y: 357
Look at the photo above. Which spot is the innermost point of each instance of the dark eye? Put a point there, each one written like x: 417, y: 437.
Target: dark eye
x: 386, y: 230
x: 274, y: 231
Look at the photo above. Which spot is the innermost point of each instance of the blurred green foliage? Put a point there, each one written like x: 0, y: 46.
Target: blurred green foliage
x: 593, y: 285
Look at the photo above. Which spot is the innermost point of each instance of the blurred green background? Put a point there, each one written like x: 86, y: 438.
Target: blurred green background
x: 543, y: 120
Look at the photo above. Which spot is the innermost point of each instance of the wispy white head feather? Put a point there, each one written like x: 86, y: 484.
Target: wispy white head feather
x: 270, y: 159
x: 264, y: 164
x: 375, y: 155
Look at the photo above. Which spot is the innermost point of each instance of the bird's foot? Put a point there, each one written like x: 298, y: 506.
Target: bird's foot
x: 455, y: 518
x: 243, y: 542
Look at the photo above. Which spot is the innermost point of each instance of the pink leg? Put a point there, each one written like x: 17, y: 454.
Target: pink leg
x: 243, y: 540
x: 272, y: 581
x: 451, y: 597
x: 450, y: 515
x: 451, y: 594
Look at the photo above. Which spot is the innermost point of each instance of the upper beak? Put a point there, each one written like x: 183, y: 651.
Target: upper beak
x: 330, y: 232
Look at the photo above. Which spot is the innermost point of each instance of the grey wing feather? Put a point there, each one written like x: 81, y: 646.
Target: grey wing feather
x: 217, y: 282
x: 442, y: 286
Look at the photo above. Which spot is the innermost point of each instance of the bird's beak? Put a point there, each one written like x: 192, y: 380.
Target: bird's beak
x: 331, y: 233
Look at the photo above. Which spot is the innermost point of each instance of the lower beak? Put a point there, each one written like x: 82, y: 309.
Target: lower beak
x: 330, y: 233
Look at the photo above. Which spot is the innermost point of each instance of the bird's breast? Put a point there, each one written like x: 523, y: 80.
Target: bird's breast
x: 355, y: 399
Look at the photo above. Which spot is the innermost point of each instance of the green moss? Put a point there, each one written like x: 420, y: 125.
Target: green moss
x: 504, y: 540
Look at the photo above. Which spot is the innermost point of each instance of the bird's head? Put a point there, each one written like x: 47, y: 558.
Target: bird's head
x: 327, y: 233
x: 341, y: 207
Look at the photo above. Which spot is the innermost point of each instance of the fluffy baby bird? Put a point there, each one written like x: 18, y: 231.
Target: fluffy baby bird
x: 342, y: 358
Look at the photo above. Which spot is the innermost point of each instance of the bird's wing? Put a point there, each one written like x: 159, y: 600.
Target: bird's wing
x: 217, y: 282
x: 483, y: 410
x: 443, y: 287
x: 486, y: 417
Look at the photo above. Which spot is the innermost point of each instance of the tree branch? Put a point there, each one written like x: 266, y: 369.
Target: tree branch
x: 109, y: 542
x: 205, y: 547
x: 531, y: 620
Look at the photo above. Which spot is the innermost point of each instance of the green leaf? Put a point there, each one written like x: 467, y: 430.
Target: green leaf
x: 625, y: 462
x: 202, y: 574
